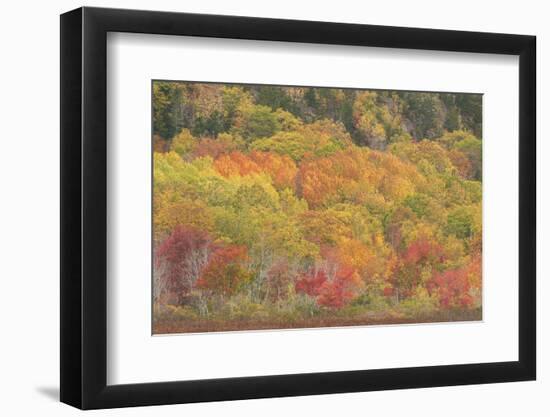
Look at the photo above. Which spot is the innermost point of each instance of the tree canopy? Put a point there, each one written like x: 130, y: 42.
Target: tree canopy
x: 290, y: 206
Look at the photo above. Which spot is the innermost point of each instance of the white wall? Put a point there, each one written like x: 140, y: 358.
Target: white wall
x: 29, y: 238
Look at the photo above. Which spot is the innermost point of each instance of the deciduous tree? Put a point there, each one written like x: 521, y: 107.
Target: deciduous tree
x: 180, y: 259
x: 226, y: 271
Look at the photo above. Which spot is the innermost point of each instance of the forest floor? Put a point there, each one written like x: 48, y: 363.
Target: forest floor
x: 176, y: 325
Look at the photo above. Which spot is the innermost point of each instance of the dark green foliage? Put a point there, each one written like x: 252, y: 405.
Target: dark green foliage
x: 209, y: 126
x: 310, y: 97
x: 426, y: 111
x: 470, y: 106
x: 398, y: 115
x: 167, y: 113
x: 274, y: 97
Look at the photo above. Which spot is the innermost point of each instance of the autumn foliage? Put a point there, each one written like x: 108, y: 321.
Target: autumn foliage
x: 339, y: 291
x: 183, y: 255
x: 225, y: 272
x: 293, y: 206
x: 281, y: 169
x: 452, y: 287
x: 311, y: 282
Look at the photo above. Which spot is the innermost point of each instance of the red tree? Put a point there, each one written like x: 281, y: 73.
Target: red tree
x: 453, y: 288
x: 339, y: 291
x: 225, y: 272
x: 423, y: 251
x: 420, y: 254
x: 179, y: 261
x: 311, y: 282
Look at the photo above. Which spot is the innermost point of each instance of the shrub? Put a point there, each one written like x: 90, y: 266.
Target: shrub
x: 420, y: 303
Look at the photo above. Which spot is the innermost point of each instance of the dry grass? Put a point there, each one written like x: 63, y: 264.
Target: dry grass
x: 167, y: 326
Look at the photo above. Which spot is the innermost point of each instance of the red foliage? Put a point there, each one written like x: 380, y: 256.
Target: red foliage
x: 310, y: 283
x: 388, y: 291
x: 339, y: 291
x: 423, y: 251
x: 453, y: 288
x: 181, y: 257
x: 419, y: 254
x: 225, y: 273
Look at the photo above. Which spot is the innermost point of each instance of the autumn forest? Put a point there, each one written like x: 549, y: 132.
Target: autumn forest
x: 297, y: 207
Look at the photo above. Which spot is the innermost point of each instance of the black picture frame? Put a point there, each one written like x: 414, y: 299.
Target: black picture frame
x: 84, y: 207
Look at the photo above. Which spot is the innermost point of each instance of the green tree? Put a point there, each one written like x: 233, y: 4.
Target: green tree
x: 258, y: 122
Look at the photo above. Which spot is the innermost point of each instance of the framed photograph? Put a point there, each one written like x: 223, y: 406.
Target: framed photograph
x: 256, y: 208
